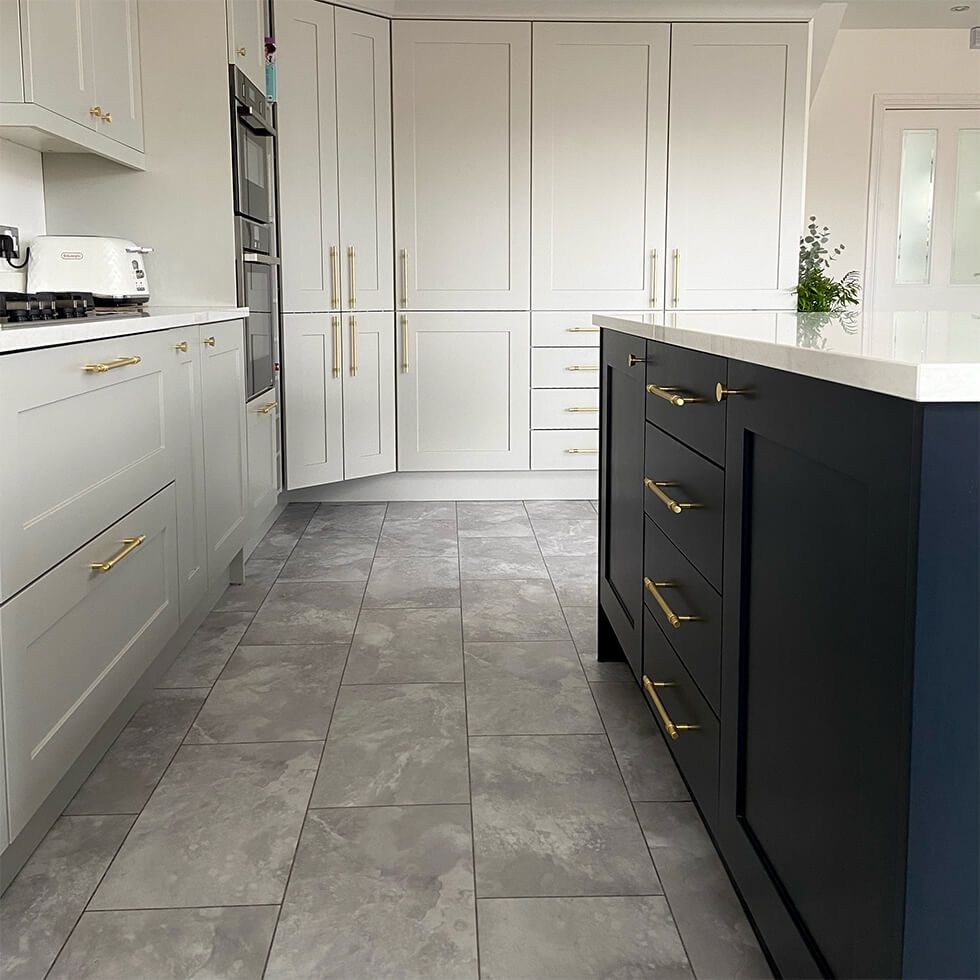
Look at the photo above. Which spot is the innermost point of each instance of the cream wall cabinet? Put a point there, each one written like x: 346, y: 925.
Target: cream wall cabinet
x: 598, y: 184
x: 246, y: 39
x: 462, y: 164
x: 262, y: 427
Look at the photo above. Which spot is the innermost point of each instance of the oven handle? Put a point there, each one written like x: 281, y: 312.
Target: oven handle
x: 260, y: 259
x: 254, y: 121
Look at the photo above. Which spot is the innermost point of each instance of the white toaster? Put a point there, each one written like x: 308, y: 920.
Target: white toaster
x: 109, y: 268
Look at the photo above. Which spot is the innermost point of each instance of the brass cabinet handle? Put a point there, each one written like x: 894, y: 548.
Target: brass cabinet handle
x: 182, y: 347
x: 353, y: 346
x: 404, y: 261
x: 635, y: 359
x: 129, y: 545
x: 721, y: 392
x: 336, y: 346
x: 676, y: 396
x: 352, y: 274
x: 677, y: 272
x: 653, y: 277
x: 106, y: 117
x: 265, y: 409
x: 242, y: 52
x: 672, y: 617
x: 582, y: 408
x: 210, y: 342
x: 116, y: 362
x: 674, y: 731
x: 404, y: 344
x: 676, y: 506
x: 582, y: 367
x: 96, y: 111
x: 334, y: 276
x: 582, y: 329
x: 581, y: 450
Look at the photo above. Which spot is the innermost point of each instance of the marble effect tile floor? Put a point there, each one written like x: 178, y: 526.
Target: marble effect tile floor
x: 391, y: 753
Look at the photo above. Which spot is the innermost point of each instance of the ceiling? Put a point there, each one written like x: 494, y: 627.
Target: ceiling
x: 910, y: 13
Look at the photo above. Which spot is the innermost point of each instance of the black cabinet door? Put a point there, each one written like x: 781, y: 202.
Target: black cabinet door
x: 817, y: 648
x: 621, y: 424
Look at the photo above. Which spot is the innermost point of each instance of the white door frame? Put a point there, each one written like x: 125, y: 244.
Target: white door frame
x: 880, y: 105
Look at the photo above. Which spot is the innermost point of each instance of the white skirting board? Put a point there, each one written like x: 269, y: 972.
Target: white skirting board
x: 490, y: 485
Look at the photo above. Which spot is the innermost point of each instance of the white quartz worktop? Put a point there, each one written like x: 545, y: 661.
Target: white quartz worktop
x: 924, y: 357
x: 16, y: 337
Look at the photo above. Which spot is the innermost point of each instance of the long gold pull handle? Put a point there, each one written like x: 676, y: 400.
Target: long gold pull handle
x: 116, y: 362
x: 582, y: 367
x: 353, y: 346
x: 653, y: 277
x: 582, y: 329
x: 672, y: 617
x: 721, y: 392
x: 352, y: 272
x: 676, y: 506
x: 265, y: 409
x: 182, y: 347
x: 404, y: 259
x: 676, y: 396
x: 677, y: 273
x: 582, y: 408
x: 334, y: 276
x: 577, y: 451
x: 674, y: 731
x: 405, y: 363
x: 129, y: 545
x: 209, y: 342
x: 336, y: 346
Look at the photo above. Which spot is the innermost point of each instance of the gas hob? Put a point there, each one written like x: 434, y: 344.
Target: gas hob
x: 36, y: 309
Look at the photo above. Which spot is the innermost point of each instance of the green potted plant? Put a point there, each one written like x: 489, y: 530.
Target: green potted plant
x: 817, y: 291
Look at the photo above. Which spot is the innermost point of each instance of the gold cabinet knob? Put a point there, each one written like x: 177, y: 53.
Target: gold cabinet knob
x: 721, y: 392
x: 210, y: 342
x: 107, y: 117
x: 634, y: 359
x: 241, y: 52
x: 182, y: 347
x: 96, y: 111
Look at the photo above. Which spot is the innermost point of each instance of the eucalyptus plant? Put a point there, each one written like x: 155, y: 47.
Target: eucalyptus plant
x: 817, y: 291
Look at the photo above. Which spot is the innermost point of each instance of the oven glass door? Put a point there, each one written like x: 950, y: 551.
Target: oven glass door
x: 254, y: 173
x: 259, y: 297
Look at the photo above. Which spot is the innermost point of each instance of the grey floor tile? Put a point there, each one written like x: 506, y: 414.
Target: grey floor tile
x: 306, y: 612
x: 551, y: 818
x: 513, y: 609
x: 220, y: 829
x: 379, y: 892
x: 125, y: 777
x: 646, y: 763
x: 395, y: 744
x: 260, y: 573
x: 582, y: 624
x: 208, y: 650
x: 413, y: 583
x: 330, y: 558
x: 493, y: 519
x: 718, y: 937
x: 500, y: 558
x: 357, y: 519
x: 273, y: 694
x: 206, y: 944
x: 281, y: 538
x: 406, y: 646
x: 579, y: 939
x: 576, y: 579
x: 559, y: 509
x: 530, y: 688
x: 38, y: 911
x: 562, y: 537
x: 421, y: 510
x: 416, y: 539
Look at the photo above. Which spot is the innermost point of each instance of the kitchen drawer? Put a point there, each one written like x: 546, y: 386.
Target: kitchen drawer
x: 687, y: 479
x: 695, y: 749
x: 565, y: 449
x: 74, y: 643
x: 673, y: 374
x: 565, y: 408
x: 564, y: 367
x: 686, y: 593
x: 81, y: 447
x: 563, y: 329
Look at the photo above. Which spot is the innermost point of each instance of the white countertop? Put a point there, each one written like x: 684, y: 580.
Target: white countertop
x: 14, y: 337
x: 924, y: 357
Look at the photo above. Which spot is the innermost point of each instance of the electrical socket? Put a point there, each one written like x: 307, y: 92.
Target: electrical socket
x: 6, y: 250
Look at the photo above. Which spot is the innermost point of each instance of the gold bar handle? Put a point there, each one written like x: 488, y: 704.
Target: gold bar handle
x: 116, y: 362
x: 334, y: 276
x: 676, y: 396
x: 265, y: 409
x: 582, y: 367
x: 352, y: 274
x: 582, y: 329
x: 405, y: 364
x: 676, y: 506
x: 721, y: 392
x: 582, y: 408
x: 672, y: 617
x: 653, y: 277
x: 677, y: 274
x: 575, y: 451
x: 336, y: 346
x: 353, y: 346
x: 674, y: 731
x: 404, y: 261
x: 129, y: 545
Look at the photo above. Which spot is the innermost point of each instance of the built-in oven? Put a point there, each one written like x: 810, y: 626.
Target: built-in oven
x: 252, y: 131
x: 258, y: 290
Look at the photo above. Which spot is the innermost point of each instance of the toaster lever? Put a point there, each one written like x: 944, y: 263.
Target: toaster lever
x: 139, y: 249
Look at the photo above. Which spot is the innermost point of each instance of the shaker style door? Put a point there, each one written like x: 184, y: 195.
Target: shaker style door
x: 116, y: 61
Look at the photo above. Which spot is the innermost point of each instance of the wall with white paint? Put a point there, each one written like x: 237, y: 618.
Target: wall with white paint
x: 21, y: 202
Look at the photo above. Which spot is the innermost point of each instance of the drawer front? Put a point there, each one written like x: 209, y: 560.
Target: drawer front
x: 558, y: 367
x: 76, y: 641
x: 88, y: 446
x: 685, y: 592
x: 689, y: 479
x: 563, y: 329
x: 695, y: 749
x: 674, y: 373
x: 565, y: 408
x: 561, y: 449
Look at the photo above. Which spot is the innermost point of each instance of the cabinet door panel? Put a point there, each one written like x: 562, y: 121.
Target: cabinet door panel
x: 309, y: 210
x: 115, y: 34
x: 246, y: 23
x: 599, y: 164
x: 735, y: 189
x: 462, y: 163
x: 364, y: 162
x: 313, y: 399
x: 261, y: 423
x: 463, y: 391
x: 369, y: 395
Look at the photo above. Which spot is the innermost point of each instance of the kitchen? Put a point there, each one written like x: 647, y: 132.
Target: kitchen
x: 377, y: 598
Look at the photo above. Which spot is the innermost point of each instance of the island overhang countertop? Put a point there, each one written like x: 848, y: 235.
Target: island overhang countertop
x: 922, y: 357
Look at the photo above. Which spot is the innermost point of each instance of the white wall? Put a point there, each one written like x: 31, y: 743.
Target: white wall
x: 862, y: 64
x: 21, y: 202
